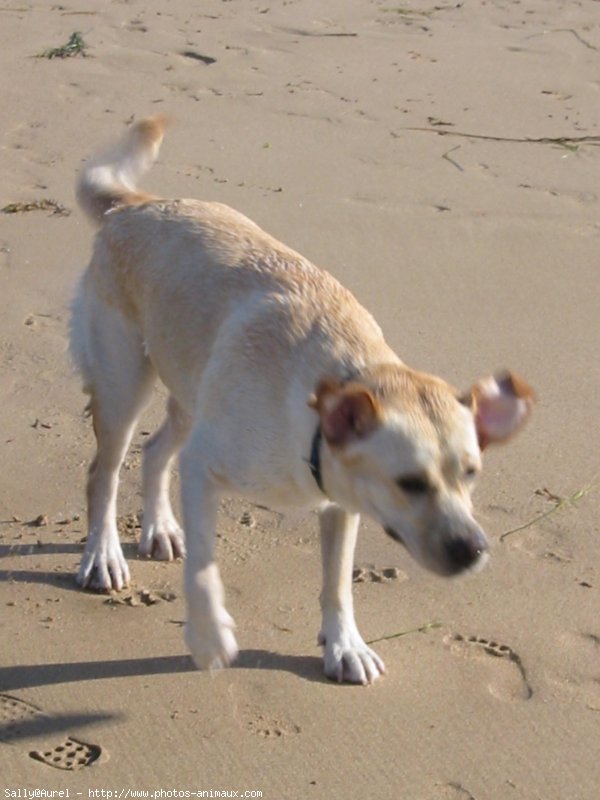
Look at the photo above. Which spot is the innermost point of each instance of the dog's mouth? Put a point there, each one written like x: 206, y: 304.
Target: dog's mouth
x: 457, y: 556
x: 393, y: 534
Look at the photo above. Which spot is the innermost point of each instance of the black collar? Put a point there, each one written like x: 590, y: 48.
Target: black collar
x: 314, y: 463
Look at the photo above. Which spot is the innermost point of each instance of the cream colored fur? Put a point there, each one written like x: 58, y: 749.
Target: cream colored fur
x: 258, y: 347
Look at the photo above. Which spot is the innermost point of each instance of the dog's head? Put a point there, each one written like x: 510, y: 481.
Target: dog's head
x: 405, y: 448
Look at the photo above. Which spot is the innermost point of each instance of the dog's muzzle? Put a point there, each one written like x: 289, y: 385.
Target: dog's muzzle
x: 458, y: 554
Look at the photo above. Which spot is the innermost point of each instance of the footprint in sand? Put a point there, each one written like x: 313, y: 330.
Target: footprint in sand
x: 70, y: 754
x: 371, y: 575
x: 506, y: 676
x: 268, y: 726
x: 13, y: 712
x: 452, y: 791
x: 272, y: 728
x: 576, y: 674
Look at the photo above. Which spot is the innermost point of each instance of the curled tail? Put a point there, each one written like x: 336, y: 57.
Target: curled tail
x: 109, y: 179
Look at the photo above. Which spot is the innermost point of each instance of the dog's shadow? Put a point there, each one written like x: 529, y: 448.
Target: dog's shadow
x: 26, y: 676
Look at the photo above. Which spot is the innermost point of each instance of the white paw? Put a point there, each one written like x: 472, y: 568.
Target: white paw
x: 162, y: 539
x: 348, y: 659
x: 212, y: 643
x: 103, y: 566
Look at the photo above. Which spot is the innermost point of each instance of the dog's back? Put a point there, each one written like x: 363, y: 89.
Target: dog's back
x: 185, y: 271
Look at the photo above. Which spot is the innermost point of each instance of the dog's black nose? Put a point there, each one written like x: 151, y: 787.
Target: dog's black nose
x: 463, y: 553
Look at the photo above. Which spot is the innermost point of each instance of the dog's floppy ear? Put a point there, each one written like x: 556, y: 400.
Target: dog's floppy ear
x: 347, y: 411
x: 500, y: 405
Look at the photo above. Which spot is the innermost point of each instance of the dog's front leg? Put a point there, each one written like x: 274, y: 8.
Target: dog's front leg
x: 347, y: 657
x: 209, y: 628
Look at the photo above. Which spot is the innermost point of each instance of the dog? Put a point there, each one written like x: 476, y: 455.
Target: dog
x: 281, y: 388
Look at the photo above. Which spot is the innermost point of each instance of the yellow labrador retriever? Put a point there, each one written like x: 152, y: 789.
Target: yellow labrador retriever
x: 282, y: 388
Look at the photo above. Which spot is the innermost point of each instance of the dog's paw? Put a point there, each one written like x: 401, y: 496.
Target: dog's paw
x: 212, y: 644
x: 348, y: 659
x: 103, y: 568
x: 163, y: 540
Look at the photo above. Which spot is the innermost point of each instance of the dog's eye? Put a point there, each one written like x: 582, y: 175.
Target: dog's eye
x: 413, y: 484
x: 470, y: 473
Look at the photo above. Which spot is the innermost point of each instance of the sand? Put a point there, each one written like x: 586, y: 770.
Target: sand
x: 443, y: 162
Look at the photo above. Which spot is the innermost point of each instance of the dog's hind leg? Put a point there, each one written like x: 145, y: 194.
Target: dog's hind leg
x: 119, y: 378
x: 161, y: 535
x: 347, y: 657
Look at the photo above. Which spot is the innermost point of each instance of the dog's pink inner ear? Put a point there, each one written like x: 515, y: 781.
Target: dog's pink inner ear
x: 347, y: 412
x: 352, y: 417
x: 500, y: 404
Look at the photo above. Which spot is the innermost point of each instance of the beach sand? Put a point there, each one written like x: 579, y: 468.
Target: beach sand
x: 443, y: 162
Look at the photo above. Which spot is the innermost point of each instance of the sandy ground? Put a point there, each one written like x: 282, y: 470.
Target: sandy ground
x: 443, y: 162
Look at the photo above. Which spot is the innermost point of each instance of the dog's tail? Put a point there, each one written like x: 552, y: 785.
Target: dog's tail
x: 109, y: 179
